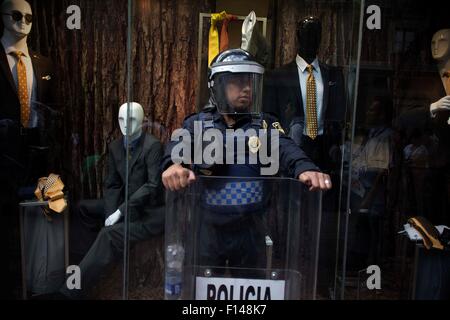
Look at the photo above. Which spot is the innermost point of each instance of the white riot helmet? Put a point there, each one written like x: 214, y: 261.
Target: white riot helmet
x: 235, y: 81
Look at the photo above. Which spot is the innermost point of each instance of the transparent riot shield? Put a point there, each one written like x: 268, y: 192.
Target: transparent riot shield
x: 242, y: 239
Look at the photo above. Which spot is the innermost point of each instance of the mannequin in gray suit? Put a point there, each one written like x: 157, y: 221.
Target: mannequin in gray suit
x: 145, y: 201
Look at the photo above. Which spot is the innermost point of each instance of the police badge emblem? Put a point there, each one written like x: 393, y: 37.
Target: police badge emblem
x: 254, y: 144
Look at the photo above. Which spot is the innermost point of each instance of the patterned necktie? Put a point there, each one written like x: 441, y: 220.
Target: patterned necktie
x: 311, y: 105
x: 22, y: 89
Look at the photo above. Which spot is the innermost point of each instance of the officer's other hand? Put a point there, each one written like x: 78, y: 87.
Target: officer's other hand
x: 112, y: 219
x: 176, y: 177
x: 316, y: 180
x: 441, y: 105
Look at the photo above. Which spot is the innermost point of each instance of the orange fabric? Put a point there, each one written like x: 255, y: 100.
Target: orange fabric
x: 224, y: 39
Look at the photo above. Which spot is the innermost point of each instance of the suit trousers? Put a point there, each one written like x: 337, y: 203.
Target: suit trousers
x: 109, y: 247
x: 85, y: 224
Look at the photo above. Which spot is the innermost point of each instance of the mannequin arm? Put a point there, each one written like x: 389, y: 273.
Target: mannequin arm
x: 148, y: 193
x: 113, y: 186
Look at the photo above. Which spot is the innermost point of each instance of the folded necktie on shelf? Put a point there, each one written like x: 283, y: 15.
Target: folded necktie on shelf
x: 428, y: 232
x: 51, y: 189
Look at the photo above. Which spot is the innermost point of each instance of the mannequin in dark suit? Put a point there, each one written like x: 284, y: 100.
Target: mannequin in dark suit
x: 19, y: 143
x: 23, y: 145
x: 284, y: 98
x: 145, y: 201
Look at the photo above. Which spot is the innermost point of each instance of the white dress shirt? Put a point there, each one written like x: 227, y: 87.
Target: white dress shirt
x: 303, y: 76
x: 31, y: 79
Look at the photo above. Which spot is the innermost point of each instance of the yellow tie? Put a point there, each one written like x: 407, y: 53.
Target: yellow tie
x: 22, y: 89
x: 311, y: 105
x: 213, y: 45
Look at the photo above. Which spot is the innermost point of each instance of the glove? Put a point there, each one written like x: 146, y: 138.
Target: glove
x: 112, y: 219
x: 443, y: 104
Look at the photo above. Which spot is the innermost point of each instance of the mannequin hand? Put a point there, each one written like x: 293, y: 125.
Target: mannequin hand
x: 443, y: 104
x: 316, y: 180
x: 112, y: 219
x: 176, y: 177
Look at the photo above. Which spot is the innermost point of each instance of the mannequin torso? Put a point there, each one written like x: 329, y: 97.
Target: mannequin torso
x: 440, y: 49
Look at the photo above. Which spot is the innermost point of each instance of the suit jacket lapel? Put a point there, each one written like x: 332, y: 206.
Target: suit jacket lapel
x: 37, y: 73
x: 137, y: 152
x: 4, y: 66
x: 119, y: 155
x: 326, y: 87
x: 295, y: 78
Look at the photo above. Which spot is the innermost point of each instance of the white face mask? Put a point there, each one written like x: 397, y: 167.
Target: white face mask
x: 135, y: 121
x: 19, y: 29
x: 440, y: 45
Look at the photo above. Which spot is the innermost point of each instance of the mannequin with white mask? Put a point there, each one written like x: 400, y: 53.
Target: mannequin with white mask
x: 102, y: 221
x: 131, y: 128
x: 440, y: 48
x: 135, y: 120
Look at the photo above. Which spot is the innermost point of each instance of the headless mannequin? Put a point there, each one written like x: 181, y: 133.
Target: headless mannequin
x: 309, y: 35
x: 131, y: 128
x: 440, y: 48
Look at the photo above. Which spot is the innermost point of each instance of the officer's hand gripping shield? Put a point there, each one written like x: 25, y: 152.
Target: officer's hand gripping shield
x: 242, y: 239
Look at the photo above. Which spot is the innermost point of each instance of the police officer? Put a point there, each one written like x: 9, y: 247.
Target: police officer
x: 231, y: 209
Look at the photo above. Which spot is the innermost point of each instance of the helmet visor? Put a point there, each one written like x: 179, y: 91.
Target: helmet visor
x: 238, y: 93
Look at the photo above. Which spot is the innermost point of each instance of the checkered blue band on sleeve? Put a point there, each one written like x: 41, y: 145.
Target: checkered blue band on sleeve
x: 236, y: 194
